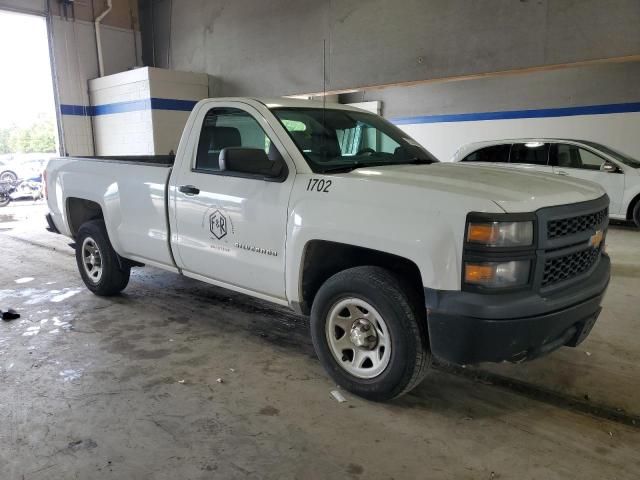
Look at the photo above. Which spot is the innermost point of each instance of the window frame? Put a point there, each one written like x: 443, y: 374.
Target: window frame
x: 284, y: 175
x: 588, y: 149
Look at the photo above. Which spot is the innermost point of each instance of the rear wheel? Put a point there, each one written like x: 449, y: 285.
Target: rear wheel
x: 98, y: 262
x: 369, y: 334
x: 5, y: 199
x: 636, y: 214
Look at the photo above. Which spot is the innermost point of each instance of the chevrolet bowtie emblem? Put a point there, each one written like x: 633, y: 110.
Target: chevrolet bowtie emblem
x: 596, y: 239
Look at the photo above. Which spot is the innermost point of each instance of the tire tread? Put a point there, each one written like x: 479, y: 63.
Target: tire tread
x: 115, y: 278
x: 400, y: 293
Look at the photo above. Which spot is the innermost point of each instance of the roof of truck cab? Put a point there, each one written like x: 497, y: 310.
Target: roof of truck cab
x: 294, y: 103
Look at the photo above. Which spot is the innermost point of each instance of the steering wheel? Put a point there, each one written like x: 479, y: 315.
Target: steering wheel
x: 370, y: 151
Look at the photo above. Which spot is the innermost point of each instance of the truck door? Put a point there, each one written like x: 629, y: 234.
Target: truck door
x: 230, y: 227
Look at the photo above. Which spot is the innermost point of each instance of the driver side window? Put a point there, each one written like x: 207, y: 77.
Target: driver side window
x: 227, y: 128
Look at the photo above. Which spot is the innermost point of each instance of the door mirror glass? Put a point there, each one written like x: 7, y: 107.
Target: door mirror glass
x: 251, y: 161
x: 609, y: 167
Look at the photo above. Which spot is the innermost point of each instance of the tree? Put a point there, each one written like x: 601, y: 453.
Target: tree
x: 43, y: 137
x: 5, y: 134
x: 39, y: 137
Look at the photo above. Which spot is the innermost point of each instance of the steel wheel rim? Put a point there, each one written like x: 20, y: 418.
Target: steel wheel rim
x: 344, y: 327
x: 92, y: 260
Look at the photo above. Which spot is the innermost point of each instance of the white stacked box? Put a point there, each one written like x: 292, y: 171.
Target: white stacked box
x: 124, y: 121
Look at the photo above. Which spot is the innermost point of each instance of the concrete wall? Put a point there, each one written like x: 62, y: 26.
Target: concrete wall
x: 74, y: 49
x: 414, y: 48
x: 274, y: 47
x: 25, y: 6
x: 123, y: 14
x: 440, y: 115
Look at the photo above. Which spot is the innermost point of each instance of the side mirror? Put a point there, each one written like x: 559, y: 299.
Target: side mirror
x: 609, y: 168
x: 252, y: 161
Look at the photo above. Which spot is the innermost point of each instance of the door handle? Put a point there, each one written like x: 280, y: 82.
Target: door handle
x: 560, y: 172
x: 189, y: 189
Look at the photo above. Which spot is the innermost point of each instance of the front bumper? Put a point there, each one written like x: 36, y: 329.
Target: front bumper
x: 466, y: 327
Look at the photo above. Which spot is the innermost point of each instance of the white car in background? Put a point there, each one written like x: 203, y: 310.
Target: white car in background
x: 615, y: 171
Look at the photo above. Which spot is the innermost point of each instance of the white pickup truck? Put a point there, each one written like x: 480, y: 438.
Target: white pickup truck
x: 340, y: 215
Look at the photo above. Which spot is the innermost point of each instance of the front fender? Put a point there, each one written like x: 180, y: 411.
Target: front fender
x: 404, y: 221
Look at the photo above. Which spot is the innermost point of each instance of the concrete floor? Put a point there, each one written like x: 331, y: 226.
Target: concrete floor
x: 127, y: 387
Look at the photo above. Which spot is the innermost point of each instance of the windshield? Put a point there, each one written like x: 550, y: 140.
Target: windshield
x: 341, y: 140
x: 627, y: 160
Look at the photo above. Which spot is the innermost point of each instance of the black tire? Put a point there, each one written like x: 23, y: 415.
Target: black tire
x: 5, y: 199
x: 635, y: 215
x: 8, y: 176
x: 113, y: 278
x: 410, y: 354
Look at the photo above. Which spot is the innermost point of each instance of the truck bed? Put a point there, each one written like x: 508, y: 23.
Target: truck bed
x: 132, y: 192
x: 152, y: 160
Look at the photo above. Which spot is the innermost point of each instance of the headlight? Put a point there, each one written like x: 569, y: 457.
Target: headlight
x: 497, y: 274
x: 501, y: 234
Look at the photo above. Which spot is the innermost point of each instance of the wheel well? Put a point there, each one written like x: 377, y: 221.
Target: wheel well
x: 632, y: 205
x: 80, y: 211
x: 323, y: 259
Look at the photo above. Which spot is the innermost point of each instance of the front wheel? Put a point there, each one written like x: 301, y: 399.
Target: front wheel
x: 5, y: 199
x: 98, y: 262
x: 8, y: 176
x: 369, y: 333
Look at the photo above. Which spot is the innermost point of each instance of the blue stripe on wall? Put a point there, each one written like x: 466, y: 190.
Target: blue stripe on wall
x: 132, y: 106
x: 121, y: 107
x: 514, y: 114
x: 75, y: 110
x: 187, y: 106
x: 170, y: 104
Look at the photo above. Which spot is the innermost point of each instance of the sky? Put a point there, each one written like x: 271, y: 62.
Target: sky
x: 25, y: 72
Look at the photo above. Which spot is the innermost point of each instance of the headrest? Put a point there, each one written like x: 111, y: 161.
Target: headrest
x: 222, y: 137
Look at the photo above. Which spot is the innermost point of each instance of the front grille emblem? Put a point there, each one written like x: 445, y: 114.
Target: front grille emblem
x: 596, y: 239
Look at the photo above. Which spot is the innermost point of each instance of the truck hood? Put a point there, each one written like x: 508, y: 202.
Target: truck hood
x: 512, y: 190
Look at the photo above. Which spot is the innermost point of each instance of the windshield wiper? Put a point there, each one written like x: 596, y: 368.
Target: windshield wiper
x: 353, y: 166
x: 341, y: 168
x: 419, y: 161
